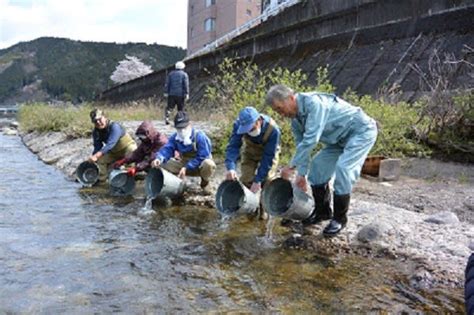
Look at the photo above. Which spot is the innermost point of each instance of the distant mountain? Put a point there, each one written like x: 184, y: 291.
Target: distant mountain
x: 61, y: 69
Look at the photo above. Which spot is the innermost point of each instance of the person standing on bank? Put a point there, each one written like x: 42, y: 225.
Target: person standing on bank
x: 151, y: 141
x: 194, y: 148
x: 111, y: 142
x: 177, y: 89
x: 348, y: 134
x: 259, y: 158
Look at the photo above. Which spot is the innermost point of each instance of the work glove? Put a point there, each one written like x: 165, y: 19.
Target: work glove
x: 142, y: 166
x: 132, y: 171
x: 255, y: 188
x: 187, y: 97
x: 165, y: 94
x: 118, y: 163
x: 231, y: 175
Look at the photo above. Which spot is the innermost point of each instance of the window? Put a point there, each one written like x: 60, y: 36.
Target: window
x: 210, y: 2
x: 209, y: 24
x: 192, y: 9
x: 249, y: 12
x: 191, y: 32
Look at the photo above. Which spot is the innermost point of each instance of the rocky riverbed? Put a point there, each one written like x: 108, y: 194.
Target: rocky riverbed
x: 426, y: 216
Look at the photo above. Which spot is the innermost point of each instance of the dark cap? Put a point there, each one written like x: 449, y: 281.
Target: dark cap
x: 181, y: 120
x: 96, y: 114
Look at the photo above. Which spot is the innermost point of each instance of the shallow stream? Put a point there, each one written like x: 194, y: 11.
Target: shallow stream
x: 64, y: 249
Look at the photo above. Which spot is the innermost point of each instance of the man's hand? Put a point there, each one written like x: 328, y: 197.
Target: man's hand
x: 165, y: 94
x: 231, y: 175
x: 132, y: 171
x: 156, y: 163
x: 182, y: 173
x: 301, y: 183
x: 118, y: 163
x: 186, y: 97
x: 287, y: 172
x: 255, y: 188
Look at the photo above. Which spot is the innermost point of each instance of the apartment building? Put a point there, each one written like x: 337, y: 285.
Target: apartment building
x: 208, y: 20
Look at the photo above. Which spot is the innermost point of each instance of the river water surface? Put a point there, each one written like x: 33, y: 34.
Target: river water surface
x: 64, y: 249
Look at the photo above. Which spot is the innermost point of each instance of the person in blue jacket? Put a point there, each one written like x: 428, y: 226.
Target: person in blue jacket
x: 176, y: 89
x: 259, y: 158
x: 194, y: 148
x: 348, y: 135
x: 111, y: 142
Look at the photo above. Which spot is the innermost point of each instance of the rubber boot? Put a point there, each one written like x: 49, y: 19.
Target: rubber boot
x: 322, y: 205
x: 339, y: 221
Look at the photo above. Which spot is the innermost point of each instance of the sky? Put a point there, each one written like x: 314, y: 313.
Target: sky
x: 150, y: 21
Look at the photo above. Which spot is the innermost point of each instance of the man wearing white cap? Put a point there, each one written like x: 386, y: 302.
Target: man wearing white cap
x: 177, y: 89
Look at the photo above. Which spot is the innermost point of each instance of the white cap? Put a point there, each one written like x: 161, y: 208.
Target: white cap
x: 180, y: 65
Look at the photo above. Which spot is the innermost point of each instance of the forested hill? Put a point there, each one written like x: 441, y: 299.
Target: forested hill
x: 61, y: 69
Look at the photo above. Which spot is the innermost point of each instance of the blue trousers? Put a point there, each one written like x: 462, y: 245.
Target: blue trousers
x: 345, y: 162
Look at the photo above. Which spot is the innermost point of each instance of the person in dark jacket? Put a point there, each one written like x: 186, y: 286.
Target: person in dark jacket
x: 469, y: 286
x: 151, y: 142
x: 194, y: 148
x: 177, y: 89
x: 260, y: 154
x: 111, y: 142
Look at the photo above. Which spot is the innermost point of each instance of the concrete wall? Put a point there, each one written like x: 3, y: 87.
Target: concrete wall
x: 365, y: 43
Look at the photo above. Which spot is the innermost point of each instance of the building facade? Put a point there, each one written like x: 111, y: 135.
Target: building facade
x: 209, y: 20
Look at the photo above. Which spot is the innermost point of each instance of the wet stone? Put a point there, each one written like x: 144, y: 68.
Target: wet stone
x: 445, y: 217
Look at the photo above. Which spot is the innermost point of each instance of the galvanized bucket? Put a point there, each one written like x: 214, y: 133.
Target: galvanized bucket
x: 281, y: 198
x: 160, y: 182
x: 87, y: 173
x: 233, y: 198
x: 120, y: 184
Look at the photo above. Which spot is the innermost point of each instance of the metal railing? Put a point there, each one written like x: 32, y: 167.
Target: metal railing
x: 243, y: 28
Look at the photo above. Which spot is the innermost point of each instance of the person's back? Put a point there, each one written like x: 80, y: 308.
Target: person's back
x: 177, y: 83
x: 176, y: 89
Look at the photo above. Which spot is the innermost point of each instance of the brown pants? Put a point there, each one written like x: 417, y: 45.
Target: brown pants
x: 205, y: 170
x: 251, y: 157
x: 106, y: 161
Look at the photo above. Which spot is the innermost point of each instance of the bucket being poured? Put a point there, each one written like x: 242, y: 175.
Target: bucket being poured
x: 120, y: 184
x: 234, y: 198
x: 160, y: 182
x: 87, y: 173
x: 283, y: 199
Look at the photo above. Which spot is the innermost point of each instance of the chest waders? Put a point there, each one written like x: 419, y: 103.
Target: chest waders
x: 252, y: 154
x: 125, y: 145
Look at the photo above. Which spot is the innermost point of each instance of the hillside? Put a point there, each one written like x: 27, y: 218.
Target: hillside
x: 61, y: 69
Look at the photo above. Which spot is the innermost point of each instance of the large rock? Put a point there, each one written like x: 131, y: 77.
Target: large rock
x: 445, y: 217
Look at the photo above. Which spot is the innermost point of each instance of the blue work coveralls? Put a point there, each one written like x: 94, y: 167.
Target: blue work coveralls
x: 347, y: 132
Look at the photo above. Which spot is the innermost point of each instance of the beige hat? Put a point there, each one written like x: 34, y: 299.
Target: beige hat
x: 96, y: 114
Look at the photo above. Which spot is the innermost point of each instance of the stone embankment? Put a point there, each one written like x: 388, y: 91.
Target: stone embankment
x: 382, y: 220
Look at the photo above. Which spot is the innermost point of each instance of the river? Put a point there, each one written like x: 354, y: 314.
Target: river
x: 64, y: 249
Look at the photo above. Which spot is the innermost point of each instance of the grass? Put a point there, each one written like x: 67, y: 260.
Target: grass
x: 74, y: 121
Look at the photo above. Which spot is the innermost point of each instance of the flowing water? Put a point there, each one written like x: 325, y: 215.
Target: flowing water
x: 64, y: 249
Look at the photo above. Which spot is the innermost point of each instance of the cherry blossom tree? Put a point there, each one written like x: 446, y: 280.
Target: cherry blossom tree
x: 129, y: 69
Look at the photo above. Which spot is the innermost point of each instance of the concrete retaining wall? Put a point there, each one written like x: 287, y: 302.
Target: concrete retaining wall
x: 364, y: 43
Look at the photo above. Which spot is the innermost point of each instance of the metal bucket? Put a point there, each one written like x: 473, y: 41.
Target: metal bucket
x: 160, y: 182
x: 120, y: 184
x: 234, y: 198
x: 87, y: 173
x: 283, y: 199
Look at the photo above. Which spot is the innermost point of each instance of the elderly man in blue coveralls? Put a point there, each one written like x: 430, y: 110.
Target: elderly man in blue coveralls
x: 259, y: 157
x: 348, y: 134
